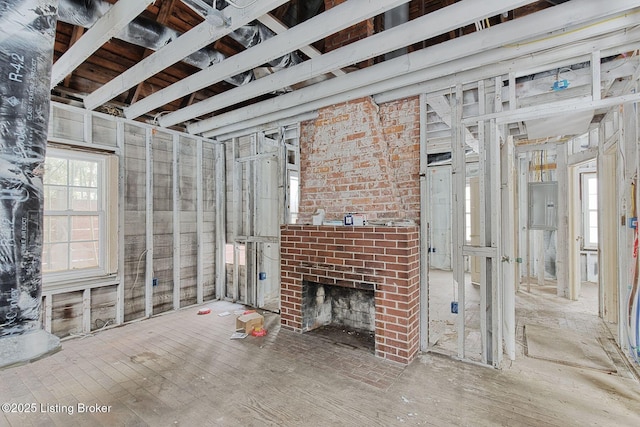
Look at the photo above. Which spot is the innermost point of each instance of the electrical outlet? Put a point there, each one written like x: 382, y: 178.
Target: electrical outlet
x: 154, y: 281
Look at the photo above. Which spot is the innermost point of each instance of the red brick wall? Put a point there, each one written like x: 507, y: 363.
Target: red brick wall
x: 361, y: 157
x: 349, y: 35
x: 387, y: 257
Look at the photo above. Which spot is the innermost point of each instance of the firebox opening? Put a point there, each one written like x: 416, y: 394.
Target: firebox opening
x: 345, y: 315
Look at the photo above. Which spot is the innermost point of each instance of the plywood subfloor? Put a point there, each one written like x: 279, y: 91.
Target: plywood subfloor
x: 181, y: 369
x: 566, y: 347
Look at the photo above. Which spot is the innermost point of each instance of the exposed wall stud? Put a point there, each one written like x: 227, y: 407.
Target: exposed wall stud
x: 177, y: 262
x: 148, y: 273
x: 121, y: 241
x: 199, y: 225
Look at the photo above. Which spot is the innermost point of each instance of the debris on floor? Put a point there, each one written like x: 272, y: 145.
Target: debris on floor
x: 249, y: 321
x: 204, y: 311
x: 238, y: 335
x: 259, y: 332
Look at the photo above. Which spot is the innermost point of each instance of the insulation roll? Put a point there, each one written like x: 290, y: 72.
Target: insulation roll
x: 27, y: 34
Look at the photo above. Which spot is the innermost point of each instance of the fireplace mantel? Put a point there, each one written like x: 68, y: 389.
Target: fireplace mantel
x: 382, y: 259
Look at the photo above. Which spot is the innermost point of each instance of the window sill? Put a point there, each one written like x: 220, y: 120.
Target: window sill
x: 60, y: 285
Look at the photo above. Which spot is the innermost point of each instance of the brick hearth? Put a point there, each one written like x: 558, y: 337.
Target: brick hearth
x: 385, y: 259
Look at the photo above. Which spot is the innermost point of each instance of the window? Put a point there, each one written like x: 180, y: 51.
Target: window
x: 467, y: 213
x: 75, y: 242
x: 590, y: 210
x: 294, y: 197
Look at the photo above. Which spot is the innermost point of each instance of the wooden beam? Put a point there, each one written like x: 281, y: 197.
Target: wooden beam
x: 411, y: 32
x: 148, y: 271
x: 77, y: 32
x: 596, y: 76
x: 444, y: 59
x: 442, y: 107
x: 278, y: 27
x: 198, y: 37
x: 162, y: 18
x: 424, y: 231
x: 339, y: 17
x: 165, y: 11
x: 188, y: 100
x: 458, y: 169
x: 384, y: 79
x: 199, y: 225
x: 177, y: 201
x: 106, y: 27
x: 555, y: 108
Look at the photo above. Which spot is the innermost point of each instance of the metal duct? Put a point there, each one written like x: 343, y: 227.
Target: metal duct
x: 27, y: 37
x: 392, y: 18
x: 251, y: 35
x: 247, y: 35
x: 142, y: 32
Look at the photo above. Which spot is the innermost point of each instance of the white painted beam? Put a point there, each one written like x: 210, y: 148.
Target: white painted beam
x: 583, y: 156
x: 458, y: 169
x: 555, y: 108
x: 442, y: 107
x: 220, y: 220
x: 424, y: 231
x: 336, y: 18
x: 425, y: 27
x: 110, y: 24
x: 148, y: 271
x: 198, y: 37
x: 570, y: 49
x: 595, y: 79
x: 177, y: 201
x: 278, y: 27
x: 120, y: 294
x: 270, y: 125
x: 199, y: 225
x: 563, y: 288
x: 418, y: 72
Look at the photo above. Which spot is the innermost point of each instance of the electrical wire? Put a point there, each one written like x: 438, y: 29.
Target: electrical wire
x: 90, y: 334
x: 138, y: 270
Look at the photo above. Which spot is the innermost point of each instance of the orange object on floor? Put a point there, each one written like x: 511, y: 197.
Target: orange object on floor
x: 259, y: 332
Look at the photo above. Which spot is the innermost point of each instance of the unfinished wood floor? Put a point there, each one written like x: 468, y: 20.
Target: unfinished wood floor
x: 181, y: 369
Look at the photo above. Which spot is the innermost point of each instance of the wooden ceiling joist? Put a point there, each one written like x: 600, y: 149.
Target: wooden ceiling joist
x: 337, y: 18
x: 110, y: 24
x: 190, y: 42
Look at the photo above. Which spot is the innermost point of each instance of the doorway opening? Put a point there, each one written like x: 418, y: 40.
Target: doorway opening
x: 262, y: 194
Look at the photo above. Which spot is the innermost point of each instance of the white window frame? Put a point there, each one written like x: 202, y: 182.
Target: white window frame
x: 107, y: 213
x: 586, y: 210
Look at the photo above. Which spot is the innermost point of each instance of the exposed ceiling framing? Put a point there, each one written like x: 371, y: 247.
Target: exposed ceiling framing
x: 208, y: 65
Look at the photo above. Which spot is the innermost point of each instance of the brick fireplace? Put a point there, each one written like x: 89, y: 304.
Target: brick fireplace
x: 382, y: 261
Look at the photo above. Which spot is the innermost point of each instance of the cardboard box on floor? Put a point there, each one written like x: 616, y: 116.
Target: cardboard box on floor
x: 250, y: 321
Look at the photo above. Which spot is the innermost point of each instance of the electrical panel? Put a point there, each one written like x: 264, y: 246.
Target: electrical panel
x: 543, y: 205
